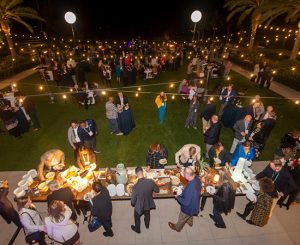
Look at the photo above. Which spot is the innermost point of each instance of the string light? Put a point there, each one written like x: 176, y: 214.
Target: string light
x: 103, y: 92
x: 171, y: 85
x: 71, y: 90
x: 297, y: 102
x: 14, y: 85
x: 21, y: 100
x: 64, y: 96
x: 293, y: 68
x: 274, y: 71
x: 228, y: 78
x: 173, y: 97
x: 139, y: 89
x: 41, y: 87
x: 251, y: 75
x: 211, y: 98
x: 137, y: 95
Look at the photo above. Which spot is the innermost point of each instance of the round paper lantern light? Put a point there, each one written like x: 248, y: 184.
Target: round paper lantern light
x: 196, y: 16
x: 70, y: 17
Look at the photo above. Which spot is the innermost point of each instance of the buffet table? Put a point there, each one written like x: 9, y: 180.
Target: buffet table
x: 170, y: 181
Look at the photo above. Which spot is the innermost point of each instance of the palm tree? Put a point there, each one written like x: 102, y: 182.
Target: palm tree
x: 290, y: 8
x: 245, y: 8
x: 10, y: 10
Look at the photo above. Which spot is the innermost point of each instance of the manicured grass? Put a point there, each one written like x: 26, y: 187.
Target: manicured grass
x: 23, y: 154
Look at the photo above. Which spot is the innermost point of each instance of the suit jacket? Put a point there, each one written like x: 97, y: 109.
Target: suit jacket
x: 142, y: 195
x: 102, y: 205
x: 239, y: 127
x: 223, y: 96
x: 283, y: 180
x: 212, y: 134
x: 208, y: 111
x: 118, y: 100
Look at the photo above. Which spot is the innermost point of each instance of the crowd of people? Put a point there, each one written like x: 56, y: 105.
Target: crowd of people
x: 279, y: 181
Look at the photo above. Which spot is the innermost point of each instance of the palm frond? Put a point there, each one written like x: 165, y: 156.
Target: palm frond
x: 236, y: 11
x: 12, y: 4
x: 18, y: 19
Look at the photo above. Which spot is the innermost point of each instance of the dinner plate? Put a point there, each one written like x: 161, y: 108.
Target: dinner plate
x: 120, y: 188
x: 255, y: 186
x: 210, y: 189
x: 112, y: 190
x: 163, y: 161
x: 19, y: 192
x: 217, y: 160
x: 50, y: 176
x: 248, y: 170
x: 88, y: 196
x: 248, y: 163
x: 251, y: 196
x: 32, y: 173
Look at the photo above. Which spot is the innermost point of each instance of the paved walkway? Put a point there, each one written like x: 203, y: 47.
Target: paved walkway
x: 276, y: 87
x: 283, y: 227
x: 7, y: 82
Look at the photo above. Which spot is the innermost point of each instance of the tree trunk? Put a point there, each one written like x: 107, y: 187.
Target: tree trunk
x: 254, y: 26
x: 252, y: 36
x: 6, y: 30
x: 296, y: 47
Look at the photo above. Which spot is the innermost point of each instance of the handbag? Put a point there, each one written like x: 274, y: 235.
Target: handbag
x: 94, y: 224
x: 34, y: 237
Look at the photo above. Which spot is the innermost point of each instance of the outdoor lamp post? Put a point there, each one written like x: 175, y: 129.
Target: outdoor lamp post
x: 195, y: 17
x: 70, y: 18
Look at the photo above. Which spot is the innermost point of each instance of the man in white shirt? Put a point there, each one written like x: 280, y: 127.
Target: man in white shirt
x: 73, y: 137
x: 188, y: 155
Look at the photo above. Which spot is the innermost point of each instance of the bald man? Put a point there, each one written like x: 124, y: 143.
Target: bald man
x: 241, y: 130
x: 189, y: 200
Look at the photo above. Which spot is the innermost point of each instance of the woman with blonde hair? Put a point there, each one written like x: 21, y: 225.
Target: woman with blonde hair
x: 161, y: 103
x: 60, y: 227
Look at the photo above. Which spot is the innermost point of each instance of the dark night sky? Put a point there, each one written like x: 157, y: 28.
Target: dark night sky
x: 109, y: 19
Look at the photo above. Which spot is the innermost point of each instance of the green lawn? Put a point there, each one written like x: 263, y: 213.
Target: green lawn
x: 23, y: 154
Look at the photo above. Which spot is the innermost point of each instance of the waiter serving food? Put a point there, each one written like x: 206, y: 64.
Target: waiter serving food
x: 188, y: 155
x: 52, y: 160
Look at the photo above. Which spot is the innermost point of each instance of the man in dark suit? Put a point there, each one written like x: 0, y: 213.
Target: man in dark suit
x: 227, y: 97
x: 281, y: 177
x: 61, y: 194
x: 212, y: 134
x: 142, y: 199
x: 102, y: 207
x: 208, y: 111
x: 241, y: 130
x: 121, y: 100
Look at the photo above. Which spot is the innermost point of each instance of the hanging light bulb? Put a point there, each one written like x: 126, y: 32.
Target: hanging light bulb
x: 137, y: 95
x: 64, y: 96
x: 41, y: 87
x: 171, y: 85
x: 139, y: 89
x: 173, y: 97
x: 103, y: 92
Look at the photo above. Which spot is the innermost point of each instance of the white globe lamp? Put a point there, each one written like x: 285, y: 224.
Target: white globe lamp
x: 196, y: 16
x: 70, y: 18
